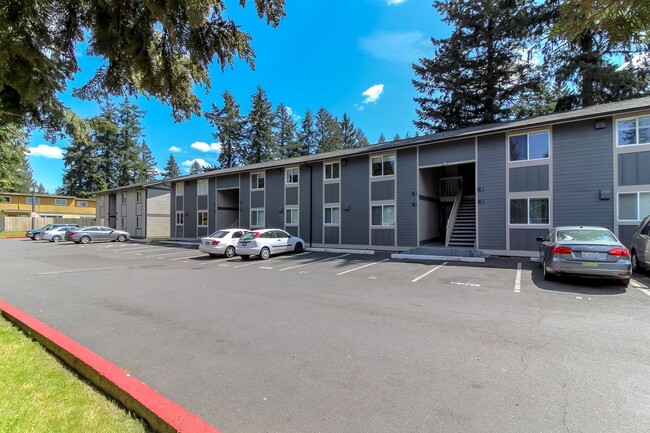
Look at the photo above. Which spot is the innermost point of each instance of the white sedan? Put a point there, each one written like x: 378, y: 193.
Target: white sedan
x: 221, y: 242
x: 55, y: 235
x: 263, y: 243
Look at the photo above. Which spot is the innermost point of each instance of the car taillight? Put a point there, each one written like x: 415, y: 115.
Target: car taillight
x: 621, y: 252
x: 257, y: 235
x: 214, y: 242
x: 561, y: 250
x: 72, y: 233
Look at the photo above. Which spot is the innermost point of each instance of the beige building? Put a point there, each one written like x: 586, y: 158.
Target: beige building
x: 140, y: 209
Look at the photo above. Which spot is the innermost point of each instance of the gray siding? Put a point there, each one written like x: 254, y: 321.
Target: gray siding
x: 257, y: 199
x: 447, y: 153
x: 292, y: 195
x: 311, y: 233
x: 157, y: 224
x: 245, y: 206
x: 525, y: 239
x: 634, y: 168
x: 331, y: 235
x: 582, y: 166
x: 331, y: 193
x: 382, y: 190
x: 202, y: 202
x: 228, y: 181
x: 190, y: 209
x: 533, y: 178
x: 625, y: 234
x: 354, y: 201
x: 274, y: 199
x: 407, y: 211
x: 491, y: 211
x: 212, y: 204
x: 383, y: 237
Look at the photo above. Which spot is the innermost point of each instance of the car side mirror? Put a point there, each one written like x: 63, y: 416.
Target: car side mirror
x: 540, y: 239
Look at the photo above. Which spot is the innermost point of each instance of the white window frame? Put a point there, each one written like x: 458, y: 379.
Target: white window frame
x: 636, y: 132
x: 101, y: 200
x: 180, y: 218
x: 60, y: 202
x: 639, y: 216
x: 291, y: 176
x: 528, y: 134
x: 383, y: 223
x: 384, y: 157
x: 180, y: 188
x: 37, y: 200
x: 138, y: 195
x: 199, y: 214
x: 258, y: 175
x: 257, y: 212
x: 82, y: 203
x: 123, y: 222
x: 331, y: 166
x: 138, y: 222
x: 332, y: 223
x: 124, y: 198
x: 202, y: 187
x: 528, y: 223
x: 291, y: 211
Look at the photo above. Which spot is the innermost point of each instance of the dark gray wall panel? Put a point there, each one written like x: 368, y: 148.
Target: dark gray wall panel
x: 311, y: 232
x: 292, y: 195
x: 293, y: 231
x: 179, y: 202
x: 383, y: 237
x: 257, y: 199
x: 331, y: 235
x: 582, y: 167
x: 491, y: 209
x: 533, y: 178
x: 447, y: 153
x: 190, y: 209
x: 354, y: 201
x: 202, y: 202
x: 172, y: 212
x: 274, y: 199
x: 634, y: 168
x: 383, y: 190
x: 212, y: 204
x: 525, y: 239
x: 331, y: 193
x: 228, y: 181
x: 625, y: 234
x: 244, y: 203
x: 407, y: 214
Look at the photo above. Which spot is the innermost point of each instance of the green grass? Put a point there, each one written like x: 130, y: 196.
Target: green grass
x: 5, y: 234
x: 39, y: 394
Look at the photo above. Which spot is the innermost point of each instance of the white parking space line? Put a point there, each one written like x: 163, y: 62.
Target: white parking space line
x: 639, y: 285
x: 167, y: 254
x: 143, y: 251
x: 311, y: 263
x: 428, y: 272
x: 246, y: 264
x: 74, y: 271
x: 518, y: 279
x: 361, y: 267
x: 187, y: 257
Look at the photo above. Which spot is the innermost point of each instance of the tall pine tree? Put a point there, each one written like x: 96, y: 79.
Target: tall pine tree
x: 259, y: 130
x: 82, y: 158
x: 229, y: 125
x: 307, y: 134
x: 172, y: 169
x: 195, y: 168
x: 329, y: 136
x: 286, y: 139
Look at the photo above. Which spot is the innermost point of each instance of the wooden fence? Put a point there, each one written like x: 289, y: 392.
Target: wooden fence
x: 18, y: 224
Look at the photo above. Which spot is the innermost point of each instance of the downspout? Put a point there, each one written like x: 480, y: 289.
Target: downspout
x: 311, y: 221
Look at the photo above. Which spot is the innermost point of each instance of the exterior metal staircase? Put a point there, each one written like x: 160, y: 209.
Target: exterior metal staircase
x: 464, y: 230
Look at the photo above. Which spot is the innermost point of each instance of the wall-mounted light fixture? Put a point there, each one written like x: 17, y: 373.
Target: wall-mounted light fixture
x: 344, y: 161
x: 600, y: 124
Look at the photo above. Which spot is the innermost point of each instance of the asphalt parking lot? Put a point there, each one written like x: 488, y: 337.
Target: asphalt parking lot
x: 349, y: 342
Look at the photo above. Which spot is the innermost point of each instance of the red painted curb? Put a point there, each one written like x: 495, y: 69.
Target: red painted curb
x: 161, y: 413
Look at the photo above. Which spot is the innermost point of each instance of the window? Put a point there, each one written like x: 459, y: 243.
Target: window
x: 180, y: 188
x: 5, y: 199
x: 630, y: 132
x: 529, y: 211
x: 257, y: 218
x: 531, y: 146
x: 332, y: 215
x: 37, y: 200
x: 257, y: 181
x: 180, y: 218
x: 202, y: 218
x: 291, y: 216
x: 123, y: 222
x: 138, y: 196
x: 633, y: 206
x: 292, y: 175
x: 101, y: 200
x: 82, y: 204
x: 60, y: 202
x: 123, y: 198
x: 138, y: 222
x: 332, y: 171
x: 383, y: 215
x: 383, y: 165
x: 202, y: 187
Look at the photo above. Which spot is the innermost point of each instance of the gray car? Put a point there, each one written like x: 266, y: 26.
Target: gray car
x: 641, y: 246
x: 585, y: 252
x: 95, y: 234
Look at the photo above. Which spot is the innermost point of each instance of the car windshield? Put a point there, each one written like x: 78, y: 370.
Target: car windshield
x: 249, y: 235
x: 585, y: 236
x: 218, y: 234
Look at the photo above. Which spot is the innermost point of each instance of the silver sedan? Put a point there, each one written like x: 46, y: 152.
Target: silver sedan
x: 95, y: 234
x: 586, y: 252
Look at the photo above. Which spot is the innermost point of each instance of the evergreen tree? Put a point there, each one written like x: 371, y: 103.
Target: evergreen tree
x: 360, y: 138
x: 229, y: 124
x: 329, y: 136
x: 82, y: 158
x: 286, y: 139
x: 348, y: 133
x: 15, y: 171
x: 129, y: 149
x: 307, y: 134
x: 172, y: 169
x: 106, y: 135
x: 147, y: 165
x: 478, y: 73
x: 259, y: 130
x: 382, y: 138
x: 195, y: 168
x: 397, y: 137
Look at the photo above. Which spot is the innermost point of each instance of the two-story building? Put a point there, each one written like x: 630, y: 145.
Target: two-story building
x: 46, y: 206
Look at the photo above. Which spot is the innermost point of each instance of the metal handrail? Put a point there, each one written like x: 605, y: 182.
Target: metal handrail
x: 454, y: 213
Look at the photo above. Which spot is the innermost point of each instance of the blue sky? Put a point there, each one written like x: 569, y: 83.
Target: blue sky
x: 349, y: 56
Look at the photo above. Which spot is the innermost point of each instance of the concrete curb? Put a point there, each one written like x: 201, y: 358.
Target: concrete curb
x: 162, y: 414
x: 339, y: 250
x: 14, y: 237
x: 438, y: 258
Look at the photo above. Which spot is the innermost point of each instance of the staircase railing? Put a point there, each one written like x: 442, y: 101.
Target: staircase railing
x: 449, y: 187
x: 451, y: 222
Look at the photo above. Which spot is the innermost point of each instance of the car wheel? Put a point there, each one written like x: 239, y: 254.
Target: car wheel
x: 635, y: 262
x: 230, y: 252
x: 625, y: 282
x: 245, y: 257
x: 265, y: 253
x: 37, y: 237
x: 84, y: 239
x: 121, y: 238
x: 298, y: 248
x: 56, y: 238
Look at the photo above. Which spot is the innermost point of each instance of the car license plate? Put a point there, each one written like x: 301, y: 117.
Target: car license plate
x: 589, y: 265
x: 590, y: 255
x: 244, y: 244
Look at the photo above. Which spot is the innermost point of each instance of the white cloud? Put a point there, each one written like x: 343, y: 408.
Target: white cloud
x: 637, y: 61
x: 174, y: 149
x: 373, y: 93
x: 292, y: 114
x: 400, y: 47
x: 205, y: 147
x: 51, y: 152
x: 187, y: 164
x: 359, y: 107
x: 395, y: 2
